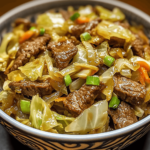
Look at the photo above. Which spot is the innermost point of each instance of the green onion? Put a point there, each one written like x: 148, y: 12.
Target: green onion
x: 25, y: 106
x: 67, y: 80
x: 42, y: 31
x: 114, y: 102
x: 85, y: 36
x: 75, y: 16
x: 108, y: 60
x: 32, y: 28
x: 92, y: 80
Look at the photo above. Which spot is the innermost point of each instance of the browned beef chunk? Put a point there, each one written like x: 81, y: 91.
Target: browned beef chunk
x: 27, y: 24
x: 63, y: 52
x: 137, y: 47
x: 129, y: 90
x: 116, y: 42
x: 76, y: 30
x: 66, y: 14
x: 80, y: 100
x: 28, y: 49
x: 31, y: 88
x: 123, y: 116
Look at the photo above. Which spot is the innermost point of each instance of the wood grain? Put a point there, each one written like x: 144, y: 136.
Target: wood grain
x: 6, y: 5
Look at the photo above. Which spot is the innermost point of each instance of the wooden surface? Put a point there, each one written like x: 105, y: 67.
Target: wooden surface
x: 6, y: 5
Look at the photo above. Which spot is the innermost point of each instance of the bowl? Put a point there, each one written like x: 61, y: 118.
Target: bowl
x: 40, y: 140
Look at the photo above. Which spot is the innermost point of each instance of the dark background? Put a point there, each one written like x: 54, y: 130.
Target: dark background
x: 7, y: 142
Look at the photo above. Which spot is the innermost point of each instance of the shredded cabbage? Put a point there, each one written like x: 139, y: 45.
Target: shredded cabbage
x: 24, y: 121
x: 41, y: 116
x: 115, y: 15
x: 91, y: 54
x: 107, y: 76
x: 92, y: 118
x: 75, y: 85
x: 33, y: 69
x: 138, y: 111
x: 5, y: 85
x: 52, y: 22
x: 147, y: 97
x: 81, y: 56
x: 108, y: 30
x: 16, y: 75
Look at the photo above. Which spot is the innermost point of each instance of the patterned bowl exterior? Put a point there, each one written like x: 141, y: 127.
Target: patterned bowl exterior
x: 39, y: 140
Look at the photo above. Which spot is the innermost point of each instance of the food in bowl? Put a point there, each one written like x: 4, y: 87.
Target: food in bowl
x: 79, y: 71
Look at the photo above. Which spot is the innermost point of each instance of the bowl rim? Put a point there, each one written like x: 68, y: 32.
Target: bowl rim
x: 66, y: 137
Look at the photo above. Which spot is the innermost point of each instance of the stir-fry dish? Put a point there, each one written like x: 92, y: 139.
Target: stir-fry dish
x: 81, y: 71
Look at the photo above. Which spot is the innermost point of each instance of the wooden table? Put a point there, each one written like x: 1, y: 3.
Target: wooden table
x: 6, y: 5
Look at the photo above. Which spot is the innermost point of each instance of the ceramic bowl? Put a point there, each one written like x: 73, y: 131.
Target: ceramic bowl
x: 40, y: 140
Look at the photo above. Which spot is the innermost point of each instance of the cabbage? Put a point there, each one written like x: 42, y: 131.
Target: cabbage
x: 41, y: 116
x: 120, y: 65
x: 115, y: 15
x: 52, y: 71
x: 135, y: 59
x: 81, y: 56
x: 75, y: 85
x: 108, y: 30
x: 86, y: 66
x: 83, y: 74
x: 102, y: 49
x: 147, y: 53
x: 6, y: 99
x: 50, y: 98
x: 33, y: 69
x: 91, y: 54
x: 63, y: 121
x: 147, y: 97
x: 138, y: 111
x: 117, y: 53
x: 24, y: 121
x: 68, y: 70
x: 92, y: 118
x: 58, y: 86
x: 102, y: 129
x: 96, y: 40
x: 52, y: 22
x: 5, y: 85
x: 16, y: 75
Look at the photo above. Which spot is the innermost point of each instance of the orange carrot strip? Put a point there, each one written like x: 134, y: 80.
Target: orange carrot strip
x: 82, y: 20
x: 60, y: 99
x: 144, y: 64
x: 145, y: 74
x: 26, y: 36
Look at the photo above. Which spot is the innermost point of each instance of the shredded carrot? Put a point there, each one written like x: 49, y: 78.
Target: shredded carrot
x: 60, y: 99
x: 26, y: 36
x: 145, y: 74
x: 82, y: 20
x: 142, y: 81
x: 144, y: 65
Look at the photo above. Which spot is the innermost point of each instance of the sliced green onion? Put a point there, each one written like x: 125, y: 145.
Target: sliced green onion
x: 85, y: 36
x: 42, y: 31
x: 25, y: 106
x: 75, y: 16
x: 114, y: 102
x: 32, y: 28
x: 67, y: 80
x: 108, y: 60
x: 92, y: 80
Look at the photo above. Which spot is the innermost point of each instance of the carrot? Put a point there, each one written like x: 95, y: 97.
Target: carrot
x: 143, y: 71
x: 141, y: 78
x: 82, y: 20
x: 60, y: 99
x: 26, y: 36
x: 144, y: 65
